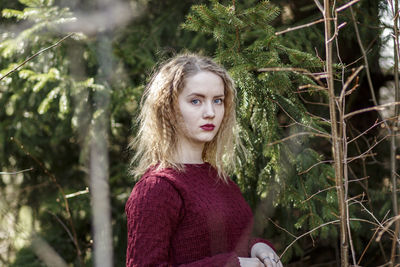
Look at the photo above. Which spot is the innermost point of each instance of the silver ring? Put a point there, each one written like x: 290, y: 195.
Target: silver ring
x: 266, y: 257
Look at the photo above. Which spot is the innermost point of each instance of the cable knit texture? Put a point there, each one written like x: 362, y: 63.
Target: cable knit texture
x: 189, y: 218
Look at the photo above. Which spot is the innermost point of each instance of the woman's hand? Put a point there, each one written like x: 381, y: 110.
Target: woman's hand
x: 250, y: 262
x: 266, y: 255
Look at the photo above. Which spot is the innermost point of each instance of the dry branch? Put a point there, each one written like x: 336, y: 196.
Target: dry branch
x: 349, y: 4
x: 307, y: 233
x: 375, y: 108
x: 16, y: 172
x: 35, y: 55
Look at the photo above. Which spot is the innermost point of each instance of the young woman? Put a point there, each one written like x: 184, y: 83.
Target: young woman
x: 185, y: 211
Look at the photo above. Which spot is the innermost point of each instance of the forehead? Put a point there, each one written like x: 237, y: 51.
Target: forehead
x: 204, y: 82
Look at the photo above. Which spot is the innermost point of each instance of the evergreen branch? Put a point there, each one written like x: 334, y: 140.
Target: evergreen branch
x: 17, y: 172
x: 376, y: 108
x: 307, y: 233
x: 299, y: 134
x: 35, y: 55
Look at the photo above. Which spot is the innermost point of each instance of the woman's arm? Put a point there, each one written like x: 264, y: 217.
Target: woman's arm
x: 153, y: 214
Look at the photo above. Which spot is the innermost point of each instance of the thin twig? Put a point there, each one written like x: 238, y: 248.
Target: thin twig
x: 349, y: 80
x: 369, y: 149
x: 320, y: 7
x: 17, y: 172
x: 63, y: 225
x: 35, y: 55
x: 280, y: 227
x: 298, y: 134
x: 347, y: 5
x: 319, y: 191
x: 321, y: 162
x: 367, y: 130
x: 307, y: 233
x: 386, y: 228
x: 376, y: 108
x: 82, y: 192
x: 299, y: 27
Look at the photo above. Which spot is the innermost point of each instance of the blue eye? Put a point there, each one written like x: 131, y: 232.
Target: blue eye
x: 195, y: 101
x: 218, y: 101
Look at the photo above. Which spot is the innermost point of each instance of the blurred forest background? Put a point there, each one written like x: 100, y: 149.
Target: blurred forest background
x: 68, y: 113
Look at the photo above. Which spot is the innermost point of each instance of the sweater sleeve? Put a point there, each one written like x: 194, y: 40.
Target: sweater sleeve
x: 153, y: 213
x: 256, y: 240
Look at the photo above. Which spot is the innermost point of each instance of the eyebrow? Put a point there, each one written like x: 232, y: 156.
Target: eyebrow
x: 201, y: 95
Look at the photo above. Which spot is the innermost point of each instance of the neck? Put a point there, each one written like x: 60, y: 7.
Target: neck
x: 189, y: 152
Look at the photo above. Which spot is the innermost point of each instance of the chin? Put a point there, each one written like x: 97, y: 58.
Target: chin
x: 207, y: 139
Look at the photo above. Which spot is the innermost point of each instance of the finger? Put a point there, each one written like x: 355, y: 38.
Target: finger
x: 272, y: 258
x: 268, y: 262
x: 278, y: 262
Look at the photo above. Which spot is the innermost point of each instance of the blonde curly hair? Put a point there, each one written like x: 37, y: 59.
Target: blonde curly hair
x: 156, y: 141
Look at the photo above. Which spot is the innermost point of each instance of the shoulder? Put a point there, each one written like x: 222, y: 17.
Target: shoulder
x: 154, y: 188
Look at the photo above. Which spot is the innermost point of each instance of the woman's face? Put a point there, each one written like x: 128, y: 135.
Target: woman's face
x: 201, y: 103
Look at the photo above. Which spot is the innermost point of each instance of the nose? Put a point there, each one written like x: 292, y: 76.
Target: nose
x: 209, y: 111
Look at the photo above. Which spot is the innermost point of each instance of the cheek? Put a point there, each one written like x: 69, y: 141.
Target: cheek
x: 222, y: 112
x: 184, y: 118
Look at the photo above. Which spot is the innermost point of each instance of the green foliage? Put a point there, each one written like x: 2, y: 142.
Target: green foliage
x: 52, y: 103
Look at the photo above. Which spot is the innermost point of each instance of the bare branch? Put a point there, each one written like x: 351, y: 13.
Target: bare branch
x: 280, y: 227
x: 368, y: 150
x: 299, y: 134
x: 386, y: 227
x: 376, y: 108
x: 17, y: 172
x: 307, y: 233
x: 35, y: 55
x: 319, y: 191
x: 349, y: 80
x: 320, y: 7
x: 347, y: 5
x: 321, y: 162
x: 299, y: 27
x: 82, y: 192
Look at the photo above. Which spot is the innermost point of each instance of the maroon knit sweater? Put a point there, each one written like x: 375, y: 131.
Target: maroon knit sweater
x: 189, y: 218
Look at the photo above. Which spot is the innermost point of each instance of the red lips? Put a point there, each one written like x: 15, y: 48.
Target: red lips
x: 207, y: 127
